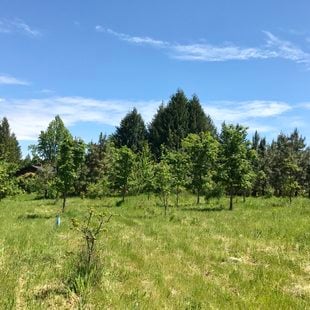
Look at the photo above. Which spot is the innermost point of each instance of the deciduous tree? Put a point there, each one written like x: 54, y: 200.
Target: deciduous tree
x: 235, y: 166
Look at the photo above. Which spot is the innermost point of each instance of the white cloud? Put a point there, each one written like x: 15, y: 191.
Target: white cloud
x: 231, y: 111
x: 29, y: 116
x: 256, y: 114
x: 287, y: 50
x: 45, y: 91
x: 205, y: 52
x: 10, y: 80
x: 273, y: 48
x: 133, y: 39
x: 17, y: 26
x: 305, y: 105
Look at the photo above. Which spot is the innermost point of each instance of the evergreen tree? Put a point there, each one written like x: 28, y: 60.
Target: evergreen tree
x: 174, y: 122
x: 95, y: 159
x: 305, y: 168
x: 131, y: 132
x: 198, y: 121
x: 260, y: 165
x: 9, y: 147
x: 159, y: 132
x: 285, y: 164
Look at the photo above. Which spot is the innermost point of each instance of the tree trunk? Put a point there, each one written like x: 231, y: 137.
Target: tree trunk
x: 231, y: 200
x: 198, y: 197
x: 166, y: 204
x: 123, y: 193
x: 64, y: 202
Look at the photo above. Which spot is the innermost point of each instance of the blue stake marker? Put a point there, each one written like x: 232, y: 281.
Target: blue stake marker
x: 57, y: 220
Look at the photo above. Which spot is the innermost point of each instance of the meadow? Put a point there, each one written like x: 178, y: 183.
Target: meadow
x: 197, y: 257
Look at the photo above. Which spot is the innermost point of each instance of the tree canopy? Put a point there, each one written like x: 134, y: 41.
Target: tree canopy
x: 131, y: 132
x: 176, y: 120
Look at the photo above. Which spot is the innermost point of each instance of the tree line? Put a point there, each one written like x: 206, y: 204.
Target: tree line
x: 179, y: 150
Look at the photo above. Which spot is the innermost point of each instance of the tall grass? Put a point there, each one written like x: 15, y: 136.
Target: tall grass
x: 197, y: 257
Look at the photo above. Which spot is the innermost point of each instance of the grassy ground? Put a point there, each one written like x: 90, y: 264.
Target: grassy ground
x: 257, y: 256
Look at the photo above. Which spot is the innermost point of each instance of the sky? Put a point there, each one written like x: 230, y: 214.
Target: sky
x: 91, y: 62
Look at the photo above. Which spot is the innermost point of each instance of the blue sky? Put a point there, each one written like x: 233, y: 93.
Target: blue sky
x: 92, y: 61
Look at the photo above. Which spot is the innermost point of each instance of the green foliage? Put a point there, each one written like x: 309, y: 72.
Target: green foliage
x: 9, y: 148
x: 45, y: 182
x: 70, y: 158
x: 163, y: 183
x: 198, y: 121
x: 202, y: 151
x: 235, y: 170
x: 49, y: 141
x: 143, y: 171
x: 131, y: 132
x: 178, y: 163
x: 174, y: 122
x: 287, y: 165
x: 100, y: 189
x: 256, y: 257
x: 88, y: 269
x: 95, y: 159
x: 27, y: 182
x: 6, y: 185
x: 121, y: 170
x: 91, y: 229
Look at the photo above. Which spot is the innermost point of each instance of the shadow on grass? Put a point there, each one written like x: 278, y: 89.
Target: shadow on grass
x: 32, y: 216
x: 119, y: 203
x: 204, y: 209
x: 49, y: 290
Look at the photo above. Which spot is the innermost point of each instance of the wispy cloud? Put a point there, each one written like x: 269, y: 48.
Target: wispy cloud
x: 273, y: 47
x: 260, y: 115
x: 133, y: 39
x: 234, y: 111
x: 287, y: 50
x: 17, y: 26
x: 29, y: 116
x: 10, y: 80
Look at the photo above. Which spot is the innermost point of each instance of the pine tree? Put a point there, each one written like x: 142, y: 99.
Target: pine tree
x: 131, y: 132
x: 175, y: 121
x: 198, y: 121
x: 9, y: 147
x: 95, y: 159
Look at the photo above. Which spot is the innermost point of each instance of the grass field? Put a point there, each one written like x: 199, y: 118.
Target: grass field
x: 197, y: 257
